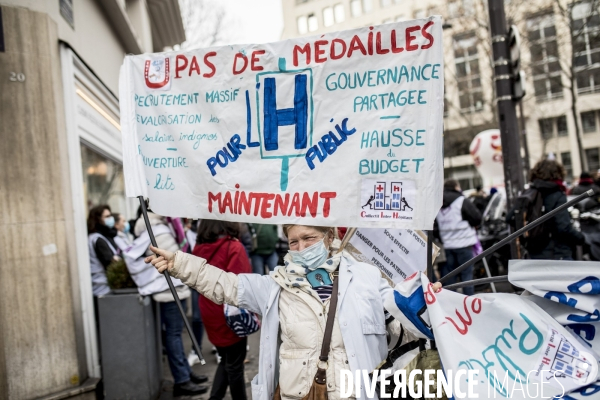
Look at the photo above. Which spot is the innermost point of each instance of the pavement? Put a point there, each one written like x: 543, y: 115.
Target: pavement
x: 250, y: 368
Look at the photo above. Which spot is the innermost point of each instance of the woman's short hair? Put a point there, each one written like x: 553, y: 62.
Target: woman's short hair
x: 95, y: 217
x: 209, y: 230
x: 547, y: 170
x: 323, y: 229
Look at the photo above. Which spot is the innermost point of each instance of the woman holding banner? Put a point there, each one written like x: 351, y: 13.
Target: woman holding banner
x: 294, y: 303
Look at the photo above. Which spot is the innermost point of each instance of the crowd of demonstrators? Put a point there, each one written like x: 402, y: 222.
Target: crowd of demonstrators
x: 217, y: 242
x: 102, y: 247
x: 548, y: 176
x: 455, y: 227
x: 294, y: 304
x: 185, y: 381
x: 265, y: 252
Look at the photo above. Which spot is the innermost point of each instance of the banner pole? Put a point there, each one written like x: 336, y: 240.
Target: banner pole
x: 430, y: 256
x: 170, y: 283
x: 518, y: 233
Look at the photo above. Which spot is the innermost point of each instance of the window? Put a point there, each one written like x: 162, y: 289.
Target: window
x: 355, y: 8
x: 546, y: 127
x: 588, y: 121
x: 313, y: 24
x: 385, y: 3
x: 302, y: 25
x: 550, y: 127
x: 466, y: 59
x: 301, y: 1
x: 339, y: 13
x: 387, y: 21
x: 420, y: 14
x: 566, y: 162
x: 103, y: 181
x: 586, y: 46
x: 328, y: 18
x: 400, y: 18
x: 593, y: 159
x: 545, y: 67
x: 367, y: 6
x: 561, y: 126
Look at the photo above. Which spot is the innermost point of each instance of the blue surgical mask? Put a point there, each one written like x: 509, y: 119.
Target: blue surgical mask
x: 109, y: 221
x: 126, y: 228
x: 311, y: 257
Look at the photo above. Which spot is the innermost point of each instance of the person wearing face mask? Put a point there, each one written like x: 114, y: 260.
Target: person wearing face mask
x: 102, y: 247
x: 294, y: 305
x: 122, y: 226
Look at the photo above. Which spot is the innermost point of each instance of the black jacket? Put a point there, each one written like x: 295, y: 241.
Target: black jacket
x: 563, y: 235
x: 469, y: 212
x: 103, y: 250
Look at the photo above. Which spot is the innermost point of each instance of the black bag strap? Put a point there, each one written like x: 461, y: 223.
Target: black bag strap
x: 330, y: 318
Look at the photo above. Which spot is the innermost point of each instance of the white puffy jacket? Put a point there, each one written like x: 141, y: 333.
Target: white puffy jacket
x: 358, y: 339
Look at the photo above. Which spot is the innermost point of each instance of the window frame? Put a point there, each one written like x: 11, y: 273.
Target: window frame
x: 542, y: 22
x: 591, y: 69
x: 469, y: 77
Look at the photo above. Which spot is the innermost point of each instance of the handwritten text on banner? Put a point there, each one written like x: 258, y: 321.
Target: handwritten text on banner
x: 343, y: 129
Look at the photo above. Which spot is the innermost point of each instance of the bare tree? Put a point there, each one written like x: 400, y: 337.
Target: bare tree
x: 206, y: 23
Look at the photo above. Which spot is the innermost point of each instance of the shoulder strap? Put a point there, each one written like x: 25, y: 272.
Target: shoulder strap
x: 330, y: 318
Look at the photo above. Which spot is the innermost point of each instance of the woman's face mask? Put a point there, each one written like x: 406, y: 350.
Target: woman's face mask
x: 109, y: 221
x: 126, y: 227
x: 311, y: 257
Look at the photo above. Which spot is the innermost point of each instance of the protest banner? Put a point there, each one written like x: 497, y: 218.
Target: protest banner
x: 398, y: 253
x: 343, y: 129
x: 567, y: 290
x: 513, y: 348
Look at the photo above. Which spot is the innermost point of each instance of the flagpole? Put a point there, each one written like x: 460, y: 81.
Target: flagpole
x: 170, y: 283
x: 430, y: 256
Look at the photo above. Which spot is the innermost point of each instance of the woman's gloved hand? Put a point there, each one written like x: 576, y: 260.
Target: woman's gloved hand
x: 165, y: 259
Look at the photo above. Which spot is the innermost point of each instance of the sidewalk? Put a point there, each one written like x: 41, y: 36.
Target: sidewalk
x: 251, y: 368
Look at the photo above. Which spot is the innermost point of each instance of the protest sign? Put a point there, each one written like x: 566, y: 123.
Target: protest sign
x: 512, y: 346
x: 567, y: 290
x: 343, y: 129
x: 398, y: 253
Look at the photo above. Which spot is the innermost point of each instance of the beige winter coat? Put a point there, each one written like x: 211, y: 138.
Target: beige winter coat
x: 302, y: 320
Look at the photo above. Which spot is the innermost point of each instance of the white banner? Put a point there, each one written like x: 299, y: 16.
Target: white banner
x: 398, y: 253
x: 507, y: 346
x: 343, y: 129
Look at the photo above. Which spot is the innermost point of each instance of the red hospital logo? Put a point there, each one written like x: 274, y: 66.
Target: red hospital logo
x: 157, y: 73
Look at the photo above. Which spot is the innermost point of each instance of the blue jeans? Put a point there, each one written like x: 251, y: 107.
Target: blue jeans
x: 197, y: 325
x: 455, y: 258
x: 173, y: 325
x: 259, y: 261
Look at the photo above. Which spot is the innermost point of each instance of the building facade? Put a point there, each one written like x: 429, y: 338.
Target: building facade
x: 560, y: 53
x: 61, y: 155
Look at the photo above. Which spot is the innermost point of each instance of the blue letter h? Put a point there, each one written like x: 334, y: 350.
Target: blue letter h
x: 274, y: 118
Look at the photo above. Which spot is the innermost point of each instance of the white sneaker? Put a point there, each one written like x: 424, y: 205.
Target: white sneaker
x: 193, y: 358
x: 218, y: 357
